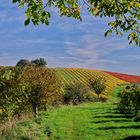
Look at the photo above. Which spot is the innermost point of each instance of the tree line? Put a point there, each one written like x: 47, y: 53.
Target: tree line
x: 39, y: 62
x: 31, y: 87
x: 26, y: 88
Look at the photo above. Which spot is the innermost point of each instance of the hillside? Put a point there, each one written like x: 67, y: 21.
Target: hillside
x: 126, y: 77
x: 70, y: 75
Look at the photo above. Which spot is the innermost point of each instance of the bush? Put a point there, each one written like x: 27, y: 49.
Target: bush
x: 92, y: 97
x: 130, y: 100
x: 45, y: 87
x: 136, y: 118
x: 98, y: 85
x: 75, y: 93
x: 103, y: 98
x: 12, y: 91
x: 25, y: 89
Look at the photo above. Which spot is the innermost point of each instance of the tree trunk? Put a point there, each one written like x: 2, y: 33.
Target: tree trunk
x: 45, y: 107
x: 35, y: 110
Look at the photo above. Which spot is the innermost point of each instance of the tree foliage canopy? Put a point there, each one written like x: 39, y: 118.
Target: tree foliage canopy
x: 125, y: 13
x: 13, y: 91
x: 27, y: 88
x: 76, y: 93
x: 23, y: 62
x: 130, y: 99
x: 44, y: 86
x: 39, y: 62
x: 98, y: 85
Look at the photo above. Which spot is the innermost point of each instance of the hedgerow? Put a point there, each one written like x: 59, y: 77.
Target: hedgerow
x: 24, y: 89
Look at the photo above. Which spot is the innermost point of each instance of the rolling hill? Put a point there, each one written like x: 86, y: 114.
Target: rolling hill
x: 71, y: 75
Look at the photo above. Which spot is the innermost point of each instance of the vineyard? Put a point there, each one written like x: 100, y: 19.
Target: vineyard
x: 126, y: 77
x: 71, y: 75
x: 37, y: 96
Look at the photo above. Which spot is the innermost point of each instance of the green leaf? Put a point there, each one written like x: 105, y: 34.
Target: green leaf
x: 14, y: 1
x: 47, y: 22
x: 21, y: 5
x: 27, y: 21
x: 49, y: 15
x: 107, y: 33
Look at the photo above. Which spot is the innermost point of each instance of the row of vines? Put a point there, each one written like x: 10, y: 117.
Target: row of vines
x: 71, y: 75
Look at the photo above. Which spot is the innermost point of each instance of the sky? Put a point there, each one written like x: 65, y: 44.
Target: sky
x: 66, y: 42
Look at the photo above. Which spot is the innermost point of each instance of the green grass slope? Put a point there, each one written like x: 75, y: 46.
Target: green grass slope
x: 88, y: 121
x: 70, y: 75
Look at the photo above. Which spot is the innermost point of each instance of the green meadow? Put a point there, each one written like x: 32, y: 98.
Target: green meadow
x: 87, y: 121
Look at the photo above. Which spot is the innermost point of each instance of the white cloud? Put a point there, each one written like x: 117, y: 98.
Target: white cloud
x: 65, y: 43
x: 131, y: 57
x: 94, y: 51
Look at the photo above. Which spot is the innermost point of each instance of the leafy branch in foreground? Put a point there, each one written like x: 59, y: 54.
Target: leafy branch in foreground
x: 125, y: 13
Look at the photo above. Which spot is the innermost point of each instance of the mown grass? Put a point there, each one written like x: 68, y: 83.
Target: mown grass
x: 88, y: 121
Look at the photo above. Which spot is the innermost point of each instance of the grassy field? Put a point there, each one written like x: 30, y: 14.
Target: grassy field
x: 88, y: 121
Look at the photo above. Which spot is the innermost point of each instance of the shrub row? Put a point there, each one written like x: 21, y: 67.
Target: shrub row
x: 30, y: 89
x: 24, y: 89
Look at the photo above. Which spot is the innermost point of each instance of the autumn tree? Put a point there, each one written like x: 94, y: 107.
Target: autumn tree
x: 13, y: 91
x: 125, y: 13
x: 44, y: 86
x: 27, y: 88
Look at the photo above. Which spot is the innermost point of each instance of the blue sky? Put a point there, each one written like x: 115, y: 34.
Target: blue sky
x: 65, y: 42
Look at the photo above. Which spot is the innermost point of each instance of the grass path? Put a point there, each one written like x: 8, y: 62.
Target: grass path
x: 88, y: 121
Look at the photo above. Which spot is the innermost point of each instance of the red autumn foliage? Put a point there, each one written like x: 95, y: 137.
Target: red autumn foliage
x: 126, y: 77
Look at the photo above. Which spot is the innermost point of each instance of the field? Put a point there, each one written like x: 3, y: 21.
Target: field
x: 70, y: 75
x: 126, y: 77
x: 87, y: 121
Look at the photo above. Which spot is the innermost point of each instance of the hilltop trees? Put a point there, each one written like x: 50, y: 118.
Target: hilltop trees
x: 125, y: 13
x: 39, y: 62
x: 23, y: 62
